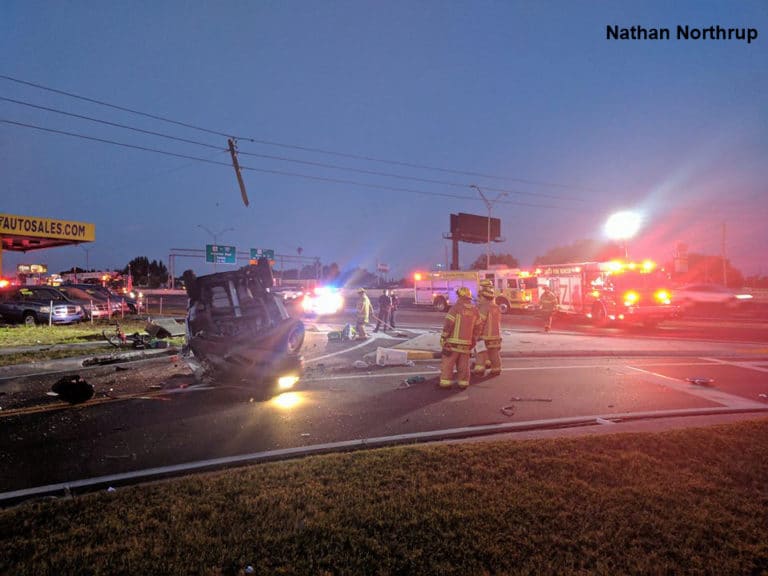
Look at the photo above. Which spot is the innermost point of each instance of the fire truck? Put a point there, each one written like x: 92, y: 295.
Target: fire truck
x: 514, y: 289
x: 611, y: 292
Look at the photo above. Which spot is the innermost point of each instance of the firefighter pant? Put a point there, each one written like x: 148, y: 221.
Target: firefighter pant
x: 459, y: 360
x: 547, y: 317
x: 490, y: 358
x: 360, y: 329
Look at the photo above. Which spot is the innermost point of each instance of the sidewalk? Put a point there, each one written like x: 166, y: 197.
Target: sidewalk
x: 533, y: 343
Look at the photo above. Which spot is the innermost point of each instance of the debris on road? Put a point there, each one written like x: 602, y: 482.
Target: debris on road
x: 408, y: 382
x: 519, y: 399
x: 700, y: 380
x: 391, y: 357
x: 360, y: 364
x: 73, y: 389
x: 508, y: 410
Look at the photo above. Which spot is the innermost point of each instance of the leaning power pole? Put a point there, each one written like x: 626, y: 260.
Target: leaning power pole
x: 236, y: 165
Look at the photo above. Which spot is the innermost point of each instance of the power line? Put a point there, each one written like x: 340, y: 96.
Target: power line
x: 298, y: 147
x: 398, y: 176
x: 114, y: 106
x: 108, y: 123
x: 263, y: 170
x: 281, y: 158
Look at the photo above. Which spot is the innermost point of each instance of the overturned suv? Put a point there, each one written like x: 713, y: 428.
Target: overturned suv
x: 237, y: 329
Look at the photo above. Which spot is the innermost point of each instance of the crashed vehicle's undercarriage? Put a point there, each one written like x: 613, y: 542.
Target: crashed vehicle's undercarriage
x: 237, y: 329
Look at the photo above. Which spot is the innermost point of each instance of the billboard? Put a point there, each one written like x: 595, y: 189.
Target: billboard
x: 473, y: 228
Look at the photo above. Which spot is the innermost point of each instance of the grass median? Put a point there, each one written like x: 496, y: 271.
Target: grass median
x: 690, y: 501
x: 55, y: 339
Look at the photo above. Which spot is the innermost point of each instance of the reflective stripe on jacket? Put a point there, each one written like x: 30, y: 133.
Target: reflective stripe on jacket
x: 490, y: 321
x: 363, y: 308
x: 548, y: 301
x: 461, y: 326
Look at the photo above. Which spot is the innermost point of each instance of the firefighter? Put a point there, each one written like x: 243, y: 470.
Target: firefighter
x: 489, y: 342
x: 549, y: 302
x: 460, y: 331
x: 385, y: 305
x: 363, y: 314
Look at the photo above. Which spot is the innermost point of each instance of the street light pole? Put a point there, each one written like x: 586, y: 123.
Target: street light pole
x: 488, y: 204
x: 215, y: 238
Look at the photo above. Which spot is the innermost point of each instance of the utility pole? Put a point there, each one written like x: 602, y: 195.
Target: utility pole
x: 236, y: 165
x: 488, y: 204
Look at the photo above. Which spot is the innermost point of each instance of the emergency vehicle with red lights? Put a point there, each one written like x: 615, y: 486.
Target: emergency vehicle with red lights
x: 514, y: 289
x: 615, y: 291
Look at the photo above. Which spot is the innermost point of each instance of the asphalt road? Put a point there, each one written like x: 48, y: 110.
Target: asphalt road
x: 155, y: 415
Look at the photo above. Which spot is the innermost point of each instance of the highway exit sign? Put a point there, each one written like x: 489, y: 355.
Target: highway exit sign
x: 257, y: 253
x: 220, y: 254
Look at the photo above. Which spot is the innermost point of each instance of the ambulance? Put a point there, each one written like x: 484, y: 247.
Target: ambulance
x: 611, y: 292
x: 515, y: 290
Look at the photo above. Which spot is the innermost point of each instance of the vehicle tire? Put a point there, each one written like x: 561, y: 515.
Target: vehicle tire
x: 441, y: 304
x: 29, y: 318
x: 295, y: 339
x: 504, y: 306
x: 599, y: 315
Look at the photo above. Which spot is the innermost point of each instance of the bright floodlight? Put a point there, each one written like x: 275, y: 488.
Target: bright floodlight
x: 622, y: 225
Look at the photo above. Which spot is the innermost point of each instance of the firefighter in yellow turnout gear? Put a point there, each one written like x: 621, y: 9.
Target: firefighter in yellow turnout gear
x: 460, y: 331
x: 489, y: 341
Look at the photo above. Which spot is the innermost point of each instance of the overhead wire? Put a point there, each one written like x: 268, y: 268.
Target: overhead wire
x: 294, y: 146
x: 264, y: 170
x: 278, y: 158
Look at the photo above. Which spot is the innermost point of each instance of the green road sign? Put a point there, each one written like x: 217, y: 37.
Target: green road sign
x: 220, y: 254
x: 257, y: 253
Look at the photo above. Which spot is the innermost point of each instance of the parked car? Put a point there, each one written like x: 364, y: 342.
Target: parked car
x: 93, y: 307
x: 712, y: 294
x: 32, y: 305
x: 118, y: 302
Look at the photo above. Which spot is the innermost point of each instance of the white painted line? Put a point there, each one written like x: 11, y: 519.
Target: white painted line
x: 756, y: 365
x: 372, y: 337
x: 710, y: 394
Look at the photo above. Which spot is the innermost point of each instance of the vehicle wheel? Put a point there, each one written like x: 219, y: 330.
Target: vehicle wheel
x: 441, y: 305
x: 503, y: 305
x: 599, y: 317
x: 295, y: 339
x: 29, y: 319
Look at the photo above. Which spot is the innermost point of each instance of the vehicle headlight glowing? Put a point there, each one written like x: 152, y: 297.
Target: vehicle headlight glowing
x: 287, y: 382
x: 743, y: 296
x: 631, y: 297
x: 663, y: 296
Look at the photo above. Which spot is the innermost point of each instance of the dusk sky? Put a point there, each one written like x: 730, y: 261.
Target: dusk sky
x: 361, y: 126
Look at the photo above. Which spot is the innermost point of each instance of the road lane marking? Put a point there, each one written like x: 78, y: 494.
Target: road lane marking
x: 757, y: 365
x: 710, y: 394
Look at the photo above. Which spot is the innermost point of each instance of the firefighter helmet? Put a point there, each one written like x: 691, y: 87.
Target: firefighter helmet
x: 486, y: 283
x: 463, y: 292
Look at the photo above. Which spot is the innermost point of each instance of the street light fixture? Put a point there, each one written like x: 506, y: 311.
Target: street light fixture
x: 488, y: 204
x: 622, y: 226
x: 215, y: 238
